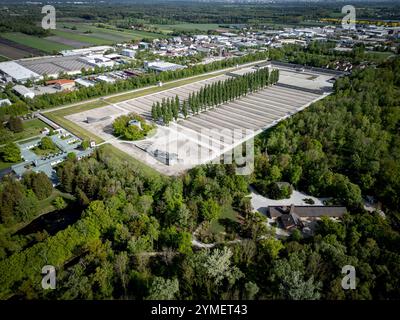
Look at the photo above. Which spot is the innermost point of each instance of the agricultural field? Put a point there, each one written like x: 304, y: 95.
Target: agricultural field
x: 107, y: 35
x: 35, y: 42
x: 188, y: 27
x: 80, y: 39
x: 12, y: 50
x: 16, y: 45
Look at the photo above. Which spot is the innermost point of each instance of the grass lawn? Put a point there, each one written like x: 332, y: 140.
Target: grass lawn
x: 35, y: 42
x: 58, y: 117
x: 32, y: 128
x: 45, y: 152
x: 46, y: 205
x: 227, y: 213
x: 378, y: 56
x: 3, y: 58
x: 5, y: 165
x: 146, y: 170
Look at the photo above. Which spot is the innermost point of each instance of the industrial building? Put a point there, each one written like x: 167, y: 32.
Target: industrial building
x: 52, y: 66
x: 24, y: 91
x: 128, y: 53
x: 84, y: 83
x: 85, y: 51
x: 97, y: 61
x: 161, y: 66
x: 105, y: 79
x: 12, y: 71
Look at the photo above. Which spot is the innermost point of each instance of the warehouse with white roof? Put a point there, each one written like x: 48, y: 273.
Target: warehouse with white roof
x: 24, y: 91
x: 161, y: 66
x: 11, y: 70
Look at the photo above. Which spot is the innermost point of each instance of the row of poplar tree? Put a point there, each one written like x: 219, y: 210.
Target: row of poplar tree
x: 213, y: 95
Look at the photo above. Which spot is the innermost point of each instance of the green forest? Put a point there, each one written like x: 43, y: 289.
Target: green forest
x: 133, y: 234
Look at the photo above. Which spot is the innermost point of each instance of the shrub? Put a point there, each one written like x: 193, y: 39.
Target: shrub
x: 124, y: 130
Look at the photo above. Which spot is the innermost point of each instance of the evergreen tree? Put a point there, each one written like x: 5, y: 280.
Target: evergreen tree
x: 158, y: 110
x: 184, y: 109
x: 154, y: 112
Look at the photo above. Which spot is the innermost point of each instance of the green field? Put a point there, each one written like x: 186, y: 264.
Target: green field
x: 3, y: 58
x: 144, y: 169
x: 188, y: 27
x: 58, y: 117
x: 111, y: 34
x: 32, y: 128
x: 378, y: 56
x: 88, y: 38
x: 35, y: 42
x: 5, y: 165
x: 227, y: 213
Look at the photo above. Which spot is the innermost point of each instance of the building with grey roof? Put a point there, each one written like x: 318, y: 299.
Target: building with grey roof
x: 54, y: 65
x: 65, y: 142
x: 17, y: 72
x: 24, y: 91
x: 293, y: 216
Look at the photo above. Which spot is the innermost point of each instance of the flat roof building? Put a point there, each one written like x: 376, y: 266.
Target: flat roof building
x: 90, y: 50
x: 17, y: 72
x: 84, y: 83
x: 5, y: 102
x: 161, y: 66
x: 52, y: 66
x: 97, y: 61
x: 24, y: 91
x: 128, y: 53
x: 105, y: 79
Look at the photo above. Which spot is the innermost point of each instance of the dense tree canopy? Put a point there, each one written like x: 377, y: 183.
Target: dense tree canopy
x: 131, y: 127
x: 135, y: 237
